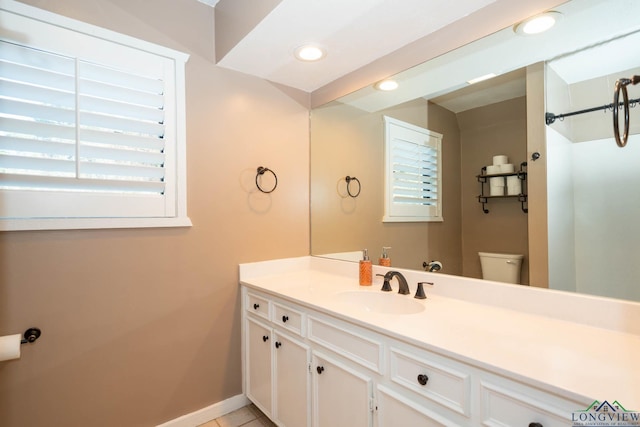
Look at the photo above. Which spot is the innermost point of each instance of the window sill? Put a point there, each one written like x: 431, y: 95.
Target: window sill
x: 91, y: 223
x: 412, y: 219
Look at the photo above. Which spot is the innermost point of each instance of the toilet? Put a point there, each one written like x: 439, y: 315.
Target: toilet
x: 501, y: 267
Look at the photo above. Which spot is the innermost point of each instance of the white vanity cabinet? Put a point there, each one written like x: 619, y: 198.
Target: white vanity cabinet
x: 306, y: 367
x: 277, y: 377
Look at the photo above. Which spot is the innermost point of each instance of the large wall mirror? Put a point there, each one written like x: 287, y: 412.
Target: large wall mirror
x: 581, y: 231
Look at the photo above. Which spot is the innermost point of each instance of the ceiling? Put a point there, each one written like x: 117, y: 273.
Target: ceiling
x: 354, y: 33
x: 595, y: 28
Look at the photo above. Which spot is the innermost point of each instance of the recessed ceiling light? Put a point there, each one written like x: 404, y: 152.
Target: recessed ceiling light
x: 481, y: 78
x: 309, y: 52
x: 537, y: 24
x: 386, y: 85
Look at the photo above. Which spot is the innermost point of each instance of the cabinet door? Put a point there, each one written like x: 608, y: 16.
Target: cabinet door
x: 342, y: 396
x: 396, y: 410
x: 292, y: 399
x: 258, y: 365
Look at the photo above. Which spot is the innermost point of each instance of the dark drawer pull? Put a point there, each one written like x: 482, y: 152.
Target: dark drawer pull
x: 256, y: 306
x: 278, y: 344
x: 535, y: 425
x: 320, y: 369
x: 265, y: 338
x: 285, y: 318
x: 422, y: 379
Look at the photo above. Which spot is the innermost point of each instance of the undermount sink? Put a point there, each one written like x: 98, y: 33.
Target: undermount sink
x: 380, y: 302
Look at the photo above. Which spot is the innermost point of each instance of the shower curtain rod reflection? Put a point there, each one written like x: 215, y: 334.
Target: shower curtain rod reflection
x: 550, y: 118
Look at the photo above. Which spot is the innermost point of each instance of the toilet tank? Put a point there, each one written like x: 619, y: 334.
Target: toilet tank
x: 501, y: 267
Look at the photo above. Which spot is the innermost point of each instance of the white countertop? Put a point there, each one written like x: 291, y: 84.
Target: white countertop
x: 569, y: 358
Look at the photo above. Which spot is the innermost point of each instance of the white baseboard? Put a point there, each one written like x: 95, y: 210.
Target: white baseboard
x: 209, y: 413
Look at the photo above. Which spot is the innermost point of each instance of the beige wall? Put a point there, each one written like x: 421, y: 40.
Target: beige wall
x: 142, y: 326
x: 347, y: 141
x: 495, y: 129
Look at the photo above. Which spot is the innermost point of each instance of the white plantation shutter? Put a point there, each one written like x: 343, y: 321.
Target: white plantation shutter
x: 89, y: 127
x: 413, y: 173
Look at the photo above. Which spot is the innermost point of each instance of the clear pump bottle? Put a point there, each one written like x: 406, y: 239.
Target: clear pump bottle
x: 384, y: 259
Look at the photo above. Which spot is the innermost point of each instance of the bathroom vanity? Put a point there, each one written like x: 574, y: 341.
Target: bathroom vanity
x: 320, y: 350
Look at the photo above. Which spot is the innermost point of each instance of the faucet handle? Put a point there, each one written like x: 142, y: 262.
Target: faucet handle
x: 420, y: 291
x: 386, y: 286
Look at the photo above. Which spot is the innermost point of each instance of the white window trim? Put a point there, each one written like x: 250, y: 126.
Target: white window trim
x: 390, y: 214
x: 180, y: 219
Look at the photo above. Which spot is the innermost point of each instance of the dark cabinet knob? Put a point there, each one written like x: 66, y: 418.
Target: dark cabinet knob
x: 320, y: 369
x: 422, y: 379
x: 265, y: 338
x: 285, y: 318
x: 278, y: 344
x: 535, y: 425
x: 256, y: 306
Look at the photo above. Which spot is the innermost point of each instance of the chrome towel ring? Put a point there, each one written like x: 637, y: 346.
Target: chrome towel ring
x: 621, y: 86
x: 261, y: 172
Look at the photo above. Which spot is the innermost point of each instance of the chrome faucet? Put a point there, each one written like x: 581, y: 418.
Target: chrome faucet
x: 404, y: 286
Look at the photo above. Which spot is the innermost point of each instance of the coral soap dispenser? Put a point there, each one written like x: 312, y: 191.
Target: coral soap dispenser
x: 384, y: 259
x: 365, y: 269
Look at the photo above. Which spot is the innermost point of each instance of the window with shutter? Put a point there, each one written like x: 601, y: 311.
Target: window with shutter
x: 413, y: 176
x: 91, y: 126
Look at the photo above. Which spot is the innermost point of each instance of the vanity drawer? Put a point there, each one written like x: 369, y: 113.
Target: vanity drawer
x: 288, y: 318
x: 348, y: 342
x: 439, y: 382
x: 257, y: 305
x: 519, y: 405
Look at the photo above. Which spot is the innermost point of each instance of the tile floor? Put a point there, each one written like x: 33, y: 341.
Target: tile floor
x: 249, y: 416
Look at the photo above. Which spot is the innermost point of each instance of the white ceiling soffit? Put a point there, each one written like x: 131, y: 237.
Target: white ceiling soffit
x: 502, y: 88
x: 354, y: 33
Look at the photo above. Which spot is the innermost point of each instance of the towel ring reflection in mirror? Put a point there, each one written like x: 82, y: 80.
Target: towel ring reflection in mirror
x: 261, y: 172
x: 349, y: 179
x: 621, y: 86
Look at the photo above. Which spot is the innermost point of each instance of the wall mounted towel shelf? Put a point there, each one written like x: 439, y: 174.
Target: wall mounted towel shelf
x: 484, y: 196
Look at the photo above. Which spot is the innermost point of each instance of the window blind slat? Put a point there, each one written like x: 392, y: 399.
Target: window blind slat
x: 414, y: 186
x: 36, y: 77
x: 121, y: 155
x: 33, y: 145
x: 13, y: 181
x: 30, y: 111
x: 119, y: 124
x: 95, y: 170
x: 36, y: 94
x: 133, y: 141
x: 33, y: 165
x: 50, y: 131
x: 119, y: 93
x: 123, y: 109
x: 39, y: 59
x: 111, y: 76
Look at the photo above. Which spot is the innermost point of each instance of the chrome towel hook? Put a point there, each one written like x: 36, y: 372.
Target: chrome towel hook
x: 621, y: 86
x: 261, y: 172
